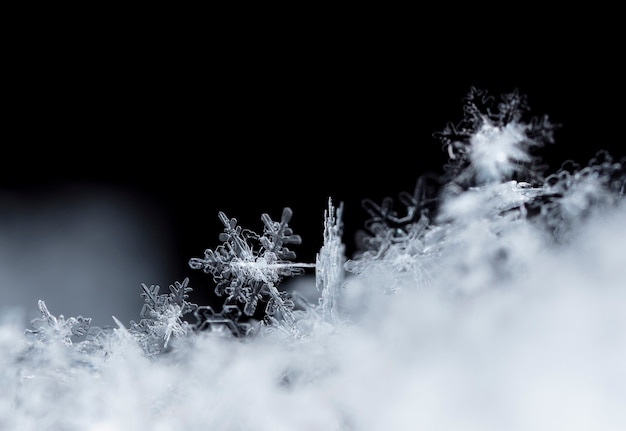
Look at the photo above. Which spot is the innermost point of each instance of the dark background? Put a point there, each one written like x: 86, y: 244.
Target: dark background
x: 189, y: 122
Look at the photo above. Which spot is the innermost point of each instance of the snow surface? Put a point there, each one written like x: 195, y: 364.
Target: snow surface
x: 486, y: 318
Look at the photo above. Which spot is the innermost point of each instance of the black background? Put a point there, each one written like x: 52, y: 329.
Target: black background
x: 192, y: 121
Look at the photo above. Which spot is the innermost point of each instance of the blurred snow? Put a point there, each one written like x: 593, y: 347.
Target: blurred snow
x: 83, y: 250
x: 493, y: 318
x: 541, y: 348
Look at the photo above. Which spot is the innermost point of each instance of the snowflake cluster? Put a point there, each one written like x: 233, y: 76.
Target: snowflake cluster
x: 489, y: 224
x: 492, y: 175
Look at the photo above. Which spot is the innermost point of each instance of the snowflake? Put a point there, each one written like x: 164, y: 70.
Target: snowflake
x: 247, y: 267
x: 162, y: 316
x: 494, y: 143
x: 49, y: 328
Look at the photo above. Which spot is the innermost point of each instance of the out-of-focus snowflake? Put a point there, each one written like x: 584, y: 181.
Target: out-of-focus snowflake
x: 493, y: 174
x: 49, y: 328
x: 573, y: 193
x: 225, y: 322
x: 495, y: 143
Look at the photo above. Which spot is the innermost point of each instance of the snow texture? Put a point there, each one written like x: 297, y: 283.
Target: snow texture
x: 495, y: 300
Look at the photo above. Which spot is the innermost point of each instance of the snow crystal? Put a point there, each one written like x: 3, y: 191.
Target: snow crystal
x: 495, y: 301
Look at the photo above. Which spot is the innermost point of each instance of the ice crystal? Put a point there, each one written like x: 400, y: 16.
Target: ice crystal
x: 400, y: 254
x: 224, y: 322
x: 573, y: 193
x: 386, y: 226
x: 490, y: 273
x: 330, y: 261
x: 161, y: 316
x: 405, y: 241
x: 247, y: 267
x: 495, y: 143
x: 493, y: 181
x: 49, y: 328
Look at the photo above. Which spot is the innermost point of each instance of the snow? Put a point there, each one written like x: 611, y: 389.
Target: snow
x: 480, y: 317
